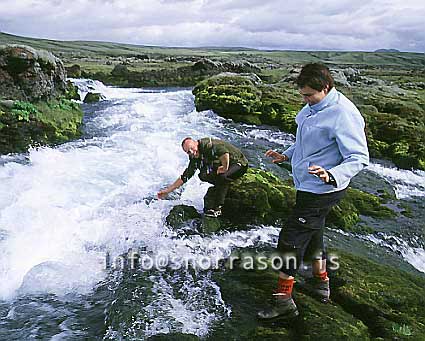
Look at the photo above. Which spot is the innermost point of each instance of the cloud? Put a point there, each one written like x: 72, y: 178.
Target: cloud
x: 300, y: 24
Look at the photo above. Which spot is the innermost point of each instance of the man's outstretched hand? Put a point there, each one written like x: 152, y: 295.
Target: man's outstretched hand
x: 162, y: 194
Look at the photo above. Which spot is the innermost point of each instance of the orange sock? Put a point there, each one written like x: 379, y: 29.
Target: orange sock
x: 284, y: 287
x: 323, y: 276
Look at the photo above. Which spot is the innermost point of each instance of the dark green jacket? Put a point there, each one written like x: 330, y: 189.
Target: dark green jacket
x: 210, y: 151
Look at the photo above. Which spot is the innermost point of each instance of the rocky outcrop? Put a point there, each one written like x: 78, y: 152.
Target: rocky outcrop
x: 187, y: 75
x: 370, y: 301
x: 35, y: 100
x: 27, y: 74
x: 244, y: 99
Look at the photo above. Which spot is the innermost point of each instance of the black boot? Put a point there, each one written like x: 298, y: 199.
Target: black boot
x: 318, y: 288
x: 284, y: 307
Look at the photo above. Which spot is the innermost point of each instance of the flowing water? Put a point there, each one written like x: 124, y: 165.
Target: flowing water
x: 68, y: 213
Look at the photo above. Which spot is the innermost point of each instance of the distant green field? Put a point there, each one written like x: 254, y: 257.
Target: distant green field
x: 78, y: 49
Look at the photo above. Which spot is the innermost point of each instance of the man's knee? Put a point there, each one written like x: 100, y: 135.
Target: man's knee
x: 207, y: 177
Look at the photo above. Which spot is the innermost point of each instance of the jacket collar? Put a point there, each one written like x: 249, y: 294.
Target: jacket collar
x: 328, y: 100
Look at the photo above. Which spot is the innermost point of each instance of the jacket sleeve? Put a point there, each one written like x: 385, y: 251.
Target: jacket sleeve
x: 189, y: 171
x: 351, y: 139
x: 288, y: 152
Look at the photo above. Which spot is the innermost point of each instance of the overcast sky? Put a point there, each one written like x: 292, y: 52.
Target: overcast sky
x: 276, y: 24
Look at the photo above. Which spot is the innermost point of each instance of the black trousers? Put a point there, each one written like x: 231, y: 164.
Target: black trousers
x: 302, y: 238
x: 217, y: 194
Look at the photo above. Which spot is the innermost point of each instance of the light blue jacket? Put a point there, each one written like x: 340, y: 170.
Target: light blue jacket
x: 330, y: 134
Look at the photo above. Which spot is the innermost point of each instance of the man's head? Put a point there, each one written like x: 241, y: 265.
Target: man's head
x: 314, y: 82
x: 191, y: 147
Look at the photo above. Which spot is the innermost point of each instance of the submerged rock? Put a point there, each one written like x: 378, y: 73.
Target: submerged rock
x: 180, y: 214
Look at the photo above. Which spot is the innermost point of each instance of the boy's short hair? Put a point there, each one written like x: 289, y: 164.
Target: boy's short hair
x: 315, y: 75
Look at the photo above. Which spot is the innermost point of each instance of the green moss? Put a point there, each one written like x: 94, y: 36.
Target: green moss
x: 237, y: 97
x: 317, y: 321
x: 39, y: 123
x: 24, y: 111
x: 227, y: 95
x: 395, y: 125
x: 382, y: 296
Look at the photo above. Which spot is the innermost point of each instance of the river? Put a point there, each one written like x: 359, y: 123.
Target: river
x: 68, y: 212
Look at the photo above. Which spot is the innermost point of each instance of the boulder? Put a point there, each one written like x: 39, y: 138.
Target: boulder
x: 340, y: 78
x: 92, y: 97
x: 243, y: 98
x: 28, y: 74
x: 180, y: 214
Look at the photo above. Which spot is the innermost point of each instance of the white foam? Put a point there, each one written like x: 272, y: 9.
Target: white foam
x: 407, y: 183
x: 277, y: 137
x: 413, y: 255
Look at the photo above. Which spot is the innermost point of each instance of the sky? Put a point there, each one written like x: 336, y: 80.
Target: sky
x: 354, y: 25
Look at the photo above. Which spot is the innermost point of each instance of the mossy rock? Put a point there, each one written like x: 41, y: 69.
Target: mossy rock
x: 369, y: 301
x: 180, y: 214
x: 227, y: 95
x: 261, y: 197
x: 395, y: 125
x: 92, y: 97
x: 247, y: 292
x: 242, y: 99
x: 39, y: 123
x: 258, y: 196
x: 347, y: 213
x: 389, y: 301
x: 71, y: 91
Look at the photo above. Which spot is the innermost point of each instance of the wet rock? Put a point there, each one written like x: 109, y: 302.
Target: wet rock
x: 180, y: 214
x: 174, y: 337
x: 93, y: 97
